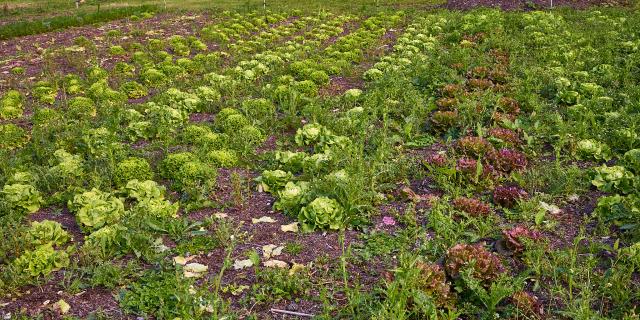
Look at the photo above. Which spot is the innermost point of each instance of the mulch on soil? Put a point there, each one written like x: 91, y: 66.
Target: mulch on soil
x: 529, y: 4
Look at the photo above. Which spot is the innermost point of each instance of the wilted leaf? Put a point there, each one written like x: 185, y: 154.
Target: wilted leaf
x: 295, y: 268
x: 194, y: 270
x: 275, y: 263
x: 220, y: 215
x: 241, y: 264
x: 271, y: 250
x: 62, y: 306
x: 292, y: 227
x: 553, y: 209
x: 264, y: 219
x: 182, y: 260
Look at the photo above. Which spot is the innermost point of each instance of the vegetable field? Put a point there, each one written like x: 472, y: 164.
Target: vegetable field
x: 398, y: 162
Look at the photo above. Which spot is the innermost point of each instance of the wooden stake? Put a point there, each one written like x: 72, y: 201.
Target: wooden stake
x: 292, y: 313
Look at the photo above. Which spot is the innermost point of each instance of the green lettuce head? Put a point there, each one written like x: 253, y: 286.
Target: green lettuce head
x: 614, y: 178
x: 144, y: 190
x: 310, y: 134
x: 590, y: 149
x: 47, y: 232
x: 22, y: 197
x: 632, y: 160
x: 273, y: 180
x: 292, y: 197
x: 95, y: 209
x: 42, y: 261
x: 322, y: 213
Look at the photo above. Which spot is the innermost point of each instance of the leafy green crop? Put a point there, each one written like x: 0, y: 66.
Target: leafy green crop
x: 95, y: 209
x: 134, y: 90
x: 12, y: 136
x: 82, y: 108
x: 614, y: 179
x: 273, y: 180
x: 591, y: 149
x: 107, y: 240
x: 291, y: 161
x: 47, y: 232
x: 623, y: 211
x: 144, y: 190
x: 158, y: 208
x: 22, y: 197
x: 69, y: 167
x: 322, y: 213
x: 223, y: 158
x: 292, y: 198
x: 11, y: 105
x: 132, y: 168
x: 166, y: 295
x: 631, y: 160
x: 42, y: 261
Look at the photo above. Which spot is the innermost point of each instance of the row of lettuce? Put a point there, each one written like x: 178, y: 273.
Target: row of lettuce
x: 99, y: 157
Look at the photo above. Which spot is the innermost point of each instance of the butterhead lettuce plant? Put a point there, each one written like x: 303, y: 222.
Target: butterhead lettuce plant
x: 322, y: 213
